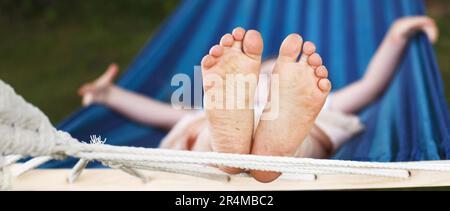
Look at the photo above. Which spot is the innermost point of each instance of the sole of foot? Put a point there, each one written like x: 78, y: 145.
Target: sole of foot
x: 303, y: 89
x: 230, y: 72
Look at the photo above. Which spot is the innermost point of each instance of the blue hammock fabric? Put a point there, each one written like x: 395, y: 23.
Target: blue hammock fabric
x: 409, y: 122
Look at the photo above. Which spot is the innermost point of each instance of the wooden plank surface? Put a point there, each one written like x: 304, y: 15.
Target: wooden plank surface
x: 110, y: 179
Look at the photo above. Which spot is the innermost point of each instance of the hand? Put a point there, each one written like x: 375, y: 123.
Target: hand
x: 97, y: 91
x: 406, y: 27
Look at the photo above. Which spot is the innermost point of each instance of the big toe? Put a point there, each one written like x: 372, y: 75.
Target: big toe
x: 253, y: 44
x: 291, y: 47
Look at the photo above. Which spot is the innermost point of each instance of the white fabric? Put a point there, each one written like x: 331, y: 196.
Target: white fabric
x: 338, y: 126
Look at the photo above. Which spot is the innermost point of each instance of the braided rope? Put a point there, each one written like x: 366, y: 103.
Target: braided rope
x: 26, y: 131
x: 5, y: 179
x: 31, y: 164
x: 113, y: 152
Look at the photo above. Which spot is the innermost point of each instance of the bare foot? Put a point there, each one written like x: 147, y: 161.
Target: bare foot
x: 228, y: 99
x: 303, y: 88
x: 95, y: 91
x: 406, y: 27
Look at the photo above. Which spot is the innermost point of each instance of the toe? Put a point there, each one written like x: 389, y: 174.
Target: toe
x: 324, y: 85
x: 315, y: 60
x: 253, y: 44
x: 308, y: 49
x: 208, y: 61
x: 291, y: 47
x: 238, y: 36
x: 238, y: 33
x: 227, y: 40
x: 216, y: 51
x: 321, y: 72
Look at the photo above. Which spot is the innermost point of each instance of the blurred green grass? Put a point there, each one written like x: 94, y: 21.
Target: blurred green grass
x: 49, y: 47
x: 440, y: 11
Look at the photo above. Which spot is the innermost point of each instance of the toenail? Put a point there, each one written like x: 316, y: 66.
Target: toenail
x: 208, y: 61
x: 227, y: 40
x: 297, y: 36
x: 309, y: 48
x: 203, y: 60
x: 322, y: 72
x: 239, y: 33
x: 216, y: 51
x: 325, y: 85
x: 238, y: 29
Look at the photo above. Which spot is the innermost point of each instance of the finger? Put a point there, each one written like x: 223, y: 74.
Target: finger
x: 109, y: 74
x: 84, y: 89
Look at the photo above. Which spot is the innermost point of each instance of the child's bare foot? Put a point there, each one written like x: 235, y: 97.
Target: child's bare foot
x: 303, y: 88
x: 95, y: 91
x: 231, y: 125
x: 406, y: 27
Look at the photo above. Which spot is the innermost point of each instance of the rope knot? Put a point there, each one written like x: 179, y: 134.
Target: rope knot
x: 96, y: 140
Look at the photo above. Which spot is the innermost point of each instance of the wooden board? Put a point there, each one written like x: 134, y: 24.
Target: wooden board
x: 110, y: 179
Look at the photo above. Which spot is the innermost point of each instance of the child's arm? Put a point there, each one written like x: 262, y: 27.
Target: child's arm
x: 143, y: 109
x: 134, y: 106
x: 381, y: 69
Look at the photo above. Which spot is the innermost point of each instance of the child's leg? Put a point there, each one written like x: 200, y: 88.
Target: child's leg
x: 381, y: 69
x: 317, y: 145
x: 188, y: 134
x: 203, y: 142
x: 134, y: 106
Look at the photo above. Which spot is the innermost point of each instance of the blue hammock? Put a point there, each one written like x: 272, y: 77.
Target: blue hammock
x: 409, y: 122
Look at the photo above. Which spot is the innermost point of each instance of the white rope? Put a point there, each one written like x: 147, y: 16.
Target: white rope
x: 236, y: 160
x: 5, y: 178
x: 29, y: 165
x: 191, y: 170
x: 136, y: 173
x: 76, y: 170
x: 11, y: 159
x: 26, y: 131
